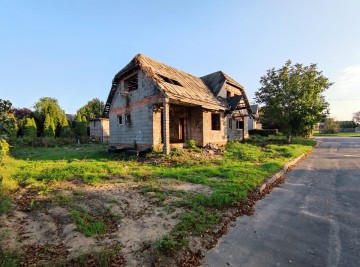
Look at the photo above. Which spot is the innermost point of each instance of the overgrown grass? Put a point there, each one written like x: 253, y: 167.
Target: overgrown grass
x: 230, y: 176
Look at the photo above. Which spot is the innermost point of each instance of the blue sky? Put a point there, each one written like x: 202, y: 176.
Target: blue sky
x: 70, y: 50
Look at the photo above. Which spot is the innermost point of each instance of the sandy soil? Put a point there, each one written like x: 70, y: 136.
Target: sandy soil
x: 43, y: 224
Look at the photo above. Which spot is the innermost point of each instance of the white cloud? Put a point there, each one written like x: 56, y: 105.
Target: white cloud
x: 344, y: 95
x: 349, y: 80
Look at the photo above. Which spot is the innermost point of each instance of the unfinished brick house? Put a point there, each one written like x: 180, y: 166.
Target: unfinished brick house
x: 152, y: 105
x: 99, y: 129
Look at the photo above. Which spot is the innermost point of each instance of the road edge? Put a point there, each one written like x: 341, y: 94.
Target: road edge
x: 286, y: 167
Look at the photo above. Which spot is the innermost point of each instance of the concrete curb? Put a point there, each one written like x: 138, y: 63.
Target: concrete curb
x: 283, y: 170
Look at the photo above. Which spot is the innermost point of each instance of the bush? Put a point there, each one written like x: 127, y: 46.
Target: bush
x: 45, y: 141
x: 263, y: 132
x: 191, y: 144
x: 4, y: 148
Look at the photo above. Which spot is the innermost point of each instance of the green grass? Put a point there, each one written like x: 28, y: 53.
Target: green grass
x: 5, y: 203
x: 87, y: 224
x: 339, y: 134
x: 101, y: 258
x: 230, y: 176
x: 9, y: 258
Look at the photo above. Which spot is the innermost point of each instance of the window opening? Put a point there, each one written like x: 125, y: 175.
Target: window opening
x: 132, y: 83
x: 168, y: 80
x: 239, y: 124
x: 181, y: 128
x: 120, y: 120
x: 228, y: 94
x: 215, y: 121
x: 127, y: 119
x: 230, y: 123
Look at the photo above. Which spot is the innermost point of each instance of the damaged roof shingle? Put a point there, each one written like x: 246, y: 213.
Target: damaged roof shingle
x: 176, y: 84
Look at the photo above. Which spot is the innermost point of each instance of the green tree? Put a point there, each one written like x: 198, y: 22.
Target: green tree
x: 8, y: 123
x: 292, y: 98
x: 64, y: 127
x: 356, y: 117
x: 330, y: 126
x: 80, y: 126
x: 47, y: 106
x: 4, y: 149
x: 30, y: 129
x: 5, y: 106
x: 93, y: 109
x: 49, y: 126
x: 347, y: 124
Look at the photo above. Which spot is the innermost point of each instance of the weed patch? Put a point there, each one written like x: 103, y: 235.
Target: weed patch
x: 10, y: 258
x: 5, y: 203
x: 88, y: 224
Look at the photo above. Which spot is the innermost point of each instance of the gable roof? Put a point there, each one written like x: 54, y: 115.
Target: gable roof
x: 254, y: 108
x: 176, y: 84
x: 217, y: 79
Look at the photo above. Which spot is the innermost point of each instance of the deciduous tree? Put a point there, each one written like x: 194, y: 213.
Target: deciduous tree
x: 93, y: 109
x: 292, y: 98
x: 8, y: 124
x: 5, y: 105
x: 81, y: 126
x: 356, y: 117
x: 330, y: 126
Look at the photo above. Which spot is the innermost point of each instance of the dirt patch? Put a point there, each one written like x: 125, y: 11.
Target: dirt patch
x: 44, y: 228
x: 171, y: 184
x: 133, y: 222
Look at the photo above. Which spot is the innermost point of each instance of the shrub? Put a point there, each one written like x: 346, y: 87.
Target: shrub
x: 4, y: 148
x: 45, y: 141
x: 191, y: 144
x: 30, y: 129
x: 263, y: 132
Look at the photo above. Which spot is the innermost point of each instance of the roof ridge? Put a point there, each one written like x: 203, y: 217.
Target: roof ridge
x: 142, y: 56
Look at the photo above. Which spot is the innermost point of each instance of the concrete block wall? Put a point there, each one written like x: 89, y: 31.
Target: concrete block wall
x: 214, y: 136
x: 236, y: 134
x: 156, y: 121
x: 140, y: 108
x: 99, y: 129
x: 195, y: 125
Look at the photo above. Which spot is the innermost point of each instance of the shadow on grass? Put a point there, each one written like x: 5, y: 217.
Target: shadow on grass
x: 70, y: 153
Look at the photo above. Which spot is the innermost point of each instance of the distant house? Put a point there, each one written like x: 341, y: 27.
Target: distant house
x: 70, y: 117
x: 254, y: 122
x: 99, y: 129
x: 151, y: 104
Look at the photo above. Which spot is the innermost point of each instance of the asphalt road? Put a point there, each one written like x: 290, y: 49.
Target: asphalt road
x: 313, y: 219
